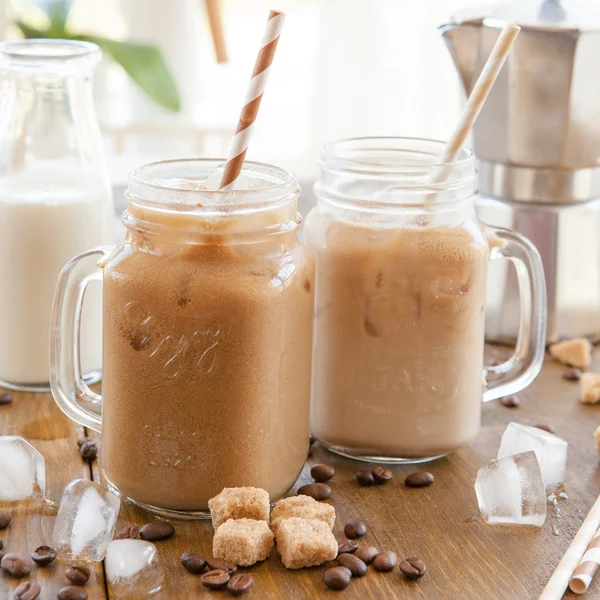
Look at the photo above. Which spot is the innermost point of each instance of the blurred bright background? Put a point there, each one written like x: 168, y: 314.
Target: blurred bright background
x: 343, y: 68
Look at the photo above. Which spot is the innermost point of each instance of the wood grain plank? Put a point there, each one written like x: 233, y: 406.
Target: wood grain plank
x: 37, y: 418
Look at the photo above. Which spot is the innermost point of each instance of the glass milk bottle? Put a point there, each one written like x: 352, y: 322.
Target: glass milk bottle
x: 55, y: 199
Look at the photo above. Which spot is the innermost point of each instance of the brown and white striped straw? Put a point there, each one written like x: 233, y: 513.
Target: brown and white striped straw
x: 557, y: 584
x: 260, y: 74
x: 580, y: 582
x: 477, y: 99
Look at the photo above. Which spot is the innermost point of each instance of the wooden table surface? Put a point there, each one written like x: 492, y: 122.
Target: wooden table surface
x: 465, y: 557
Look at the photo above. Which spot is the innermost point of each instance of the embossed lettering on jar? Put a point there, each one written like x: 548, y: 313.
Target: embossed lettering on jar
x: 207, y: 338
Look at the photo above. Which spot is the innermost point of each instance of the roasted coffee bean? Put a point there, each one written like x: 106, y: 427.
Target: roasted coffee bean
x: 322, y: 473
x: 129, y: 532
x: 5, y: 399
x: 218, y: 564
x: 413, y: 568
x: 78, y: 574
x: 193, y: 562
x: 89, y: 451
x: 381, y: 475
x: 366, y: 553
x: 365, y: 477
x: 239, y: 584
x: 1, y: 544
x: 547, y: 428
x: 419, y: 479
x: 157, y: 530
x: 4, y: 520
x: 572, y: 374
x: 355, y: 529
x: 43, y: 556
x: 72, y: 593
x: 356, y: 566
x: 216, y: 579
x: 82, y: 441
x: 318, y: 491
x: 337, y: 578
x: 347, y: 546
x: 385, y: 561
x: 510, y: 401
x: 15, y: 565
x: 29, y: 590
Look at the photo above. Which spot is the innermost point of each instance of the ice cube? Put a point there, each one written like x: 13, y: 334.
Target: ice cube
x: 22, y: 470
x: 510, y: 491
x: 133, y: 568
x: 85, y: 521
x: 213, y: 181
x: 550, y: 450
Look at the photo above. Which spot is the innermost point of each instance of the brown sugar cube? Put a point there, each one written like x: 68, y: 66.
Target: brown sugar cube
x: 239, y: 503
x: 590, y: 388
x: 575, y: 353
x: 305, y: 542
x: 243, y: 541
x: 304, y: 507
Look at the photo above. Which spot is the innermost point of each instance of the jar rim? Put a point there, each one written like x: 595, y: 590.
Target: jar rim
x: 46, y: 49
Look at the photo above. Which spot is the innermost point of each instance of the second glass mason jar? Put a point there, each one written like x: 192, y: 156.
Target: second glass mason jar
x: 207, y: 338
x: 401, y: 269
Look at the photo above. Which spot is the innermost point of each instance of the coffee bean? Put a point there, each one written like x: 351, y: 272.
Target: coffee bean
x: 347, y: 546
x: 365, y: 477
x: 1, y: 544
x: 4, y: 520
x: 318, y: 491
x: 322, y: 473
x: 366, y: 553
x: 355, y: 529
x: 5, y: 398
x: 356, y: 566
x: 385, y: 561
x: 28, y: 590
x: 193, y: 562
x: 157, y: 530
x: 218, y: 564
x: 239, y: 583
x: 571, y: 374
x: 547, y: 428
x: 15, y: 565
x: 89, y: 451
x: 419, y: 479
x: 337, y: 578
x: 78, y: 574
x: 129, y: 532
x: 216, y: 579
x: 82, y: 441
x: 43, y: 556
x: 510, y: 401
x: 413, y: 568
x: 72, y: 593
x: 381, y: 475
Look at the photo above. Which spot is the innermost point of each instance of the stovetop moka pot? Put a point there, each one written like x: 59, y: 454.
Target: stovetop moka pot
x: 538, y: 144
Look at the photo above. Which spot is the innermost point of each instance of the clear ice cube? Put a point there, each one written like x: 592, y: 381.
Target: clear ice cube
x: 85, y: 521
x: 510, y: 491
x: 133, y: 568
x: 550, y: 450
x: 22, y: 470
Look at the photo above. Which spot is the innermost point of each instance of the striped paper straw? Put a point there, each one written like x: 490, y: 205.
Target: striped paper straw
x: 477, y: 98
x: 260, y: 74
x: 557, y: 585
x: 584, y: 572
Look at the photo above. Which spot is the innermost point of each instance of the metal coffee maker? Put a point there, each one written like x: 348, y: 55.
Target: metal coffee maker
x: 538, y: 144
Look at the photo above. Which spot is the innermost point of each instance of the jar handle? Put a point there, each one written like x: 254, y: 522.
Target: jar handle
x: 69, y: 389
x: 524, y: 365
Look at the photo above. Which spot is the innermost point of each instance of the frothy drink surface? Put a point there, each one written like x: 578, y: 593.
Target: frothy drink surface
x: 207, y: 351
x: 399, y: 335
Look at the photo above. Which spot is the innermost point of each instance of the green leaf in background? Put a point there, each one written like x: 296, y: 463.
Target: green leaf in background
x: 146, y: 66
x: 30, y: 33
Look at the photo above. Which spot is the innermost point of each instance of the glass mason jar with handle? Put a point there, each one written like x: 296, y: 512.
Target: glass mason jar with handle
x: 55, y: 199
x: 401, y: 269
x: 207, y: 338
